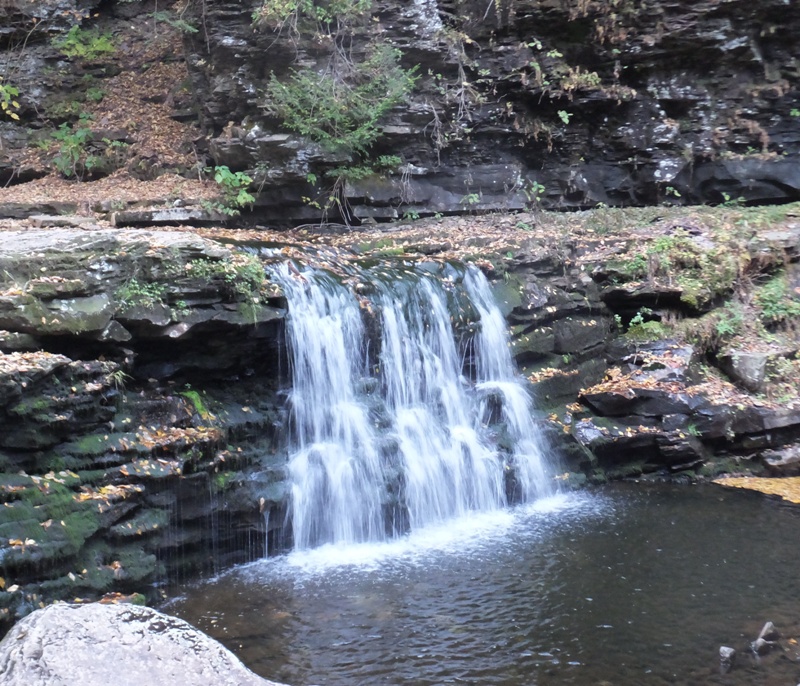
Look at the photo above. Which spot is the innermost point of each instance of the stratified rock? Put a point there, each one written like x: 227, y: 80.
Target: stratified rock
x: 172, y: 216
x: 44, y: 220
x: 124, y: 645
x: 133, y: 286
x: 727, y: 659
x: 600, y: 119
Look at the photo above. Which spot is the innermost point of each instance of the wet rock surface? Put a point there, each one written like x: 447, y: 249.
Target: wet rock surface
x: 123, y: 644
x: 111, y: 479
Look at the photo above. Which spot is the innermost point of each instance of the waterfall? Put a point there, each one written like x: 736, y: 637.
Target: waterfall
x: 497, y: 376
x: 388, y: 434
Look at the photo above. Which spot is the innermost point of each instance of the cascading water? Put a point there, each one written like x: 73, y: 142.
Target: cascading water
x: 336, y: 473
x: 398, y: 438
x: 496, y: 375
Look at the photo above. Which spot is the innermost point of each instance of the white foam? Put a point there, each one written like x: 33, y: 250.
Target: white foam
x: 471, y: 534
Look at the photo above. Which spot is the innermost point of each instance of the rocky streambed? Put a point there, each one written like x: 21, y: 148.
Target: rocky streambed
x: 141, y: 371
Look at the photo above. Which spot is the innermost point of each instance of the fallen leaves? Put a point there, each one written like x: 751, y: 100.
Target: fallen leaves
x: 787, y: 488
x: 19, y: 543
x: 109, y: 494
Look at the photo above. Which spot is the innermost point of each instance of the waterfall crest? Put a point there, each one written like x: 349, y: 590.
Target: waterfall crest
x: 401, y: 428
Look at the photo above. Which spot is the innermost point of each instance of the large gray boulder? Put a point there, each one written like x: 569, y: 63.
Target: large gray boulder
x: 124, y: 645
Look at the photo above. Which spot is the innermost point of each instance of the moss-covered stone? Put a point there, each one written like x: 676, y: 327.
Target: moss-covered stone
x: 146, y: 522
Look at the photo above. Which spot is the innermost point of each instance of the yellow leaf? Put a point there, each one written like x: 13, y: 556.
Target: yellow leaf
x: 2, y: 583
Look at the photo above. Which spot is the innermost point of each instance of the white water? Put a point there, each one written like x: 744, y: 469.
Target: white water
x: 496, y: 375
x: 418, y: 451
x: 336, y: 474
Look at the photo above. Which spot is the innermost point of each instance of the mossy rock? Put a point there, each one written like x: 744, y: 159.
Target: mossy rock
x: 146, y: 522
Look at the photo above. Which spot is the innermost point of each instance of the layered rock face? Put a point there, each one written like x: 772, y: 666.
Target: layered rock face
x: 116, y: 471
x: 567, y: 103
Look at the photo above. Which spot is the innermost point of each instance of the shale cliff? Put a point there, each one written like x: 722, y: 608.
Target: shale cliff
x: 379, y: 109
x: 567, y: 102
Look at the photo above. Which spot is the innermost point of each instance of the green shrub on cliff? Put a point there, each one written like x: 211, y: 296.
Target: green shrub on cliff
x: 234, y: 187
x: 85, y: 44
x: 340, y: 108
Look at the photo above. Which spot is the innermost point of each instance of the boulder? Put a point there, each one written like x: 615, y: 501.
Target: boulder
x: 784, y: 461
x: 727, y: 659
x: 749, y: 369
x: 125, y: 645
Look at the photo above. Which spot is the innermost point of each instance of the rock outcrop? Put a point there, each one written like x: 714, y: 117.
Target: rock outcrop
x: 555, y: 103
x: 564, y: 104
x: 116, y: 471
x: 127, y: 645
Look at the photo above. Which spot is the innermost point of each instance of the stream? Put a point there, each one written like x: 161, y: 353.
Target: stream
x: 628, y: 584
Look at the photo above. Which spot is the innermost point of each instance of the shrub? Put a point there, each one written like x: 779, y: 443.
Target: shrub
x: 340, y: 108
x: 776, y: 303
x: 642, y: 329
x: 8, y: 99
x: 72, y: 158
x: 233, y: 185
x: 85, y: 44
x: 276, y: 13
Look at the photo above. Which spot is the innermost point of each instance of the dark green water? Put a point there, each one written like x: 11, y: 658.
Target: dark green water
x: 632, y: 584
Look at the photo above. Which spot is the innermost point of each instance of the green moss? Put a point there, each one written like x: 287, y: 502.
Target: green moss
x: 92, y: 476
x: 716, y: 467
x: 93, y: 444
x: 642, y: 329
x: 625, y: 471
x: 21, y: 528
x: 391, y: 252
x: 97, y: 445
x: 78, y: 527
x: 221, y: 481
x: 197, y: 402
x: 138, y: 565
x: 597, y: 477
x: 775, y: 301
x: 240, y: 278
x: 137, y: 293
x: 36, y: 408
